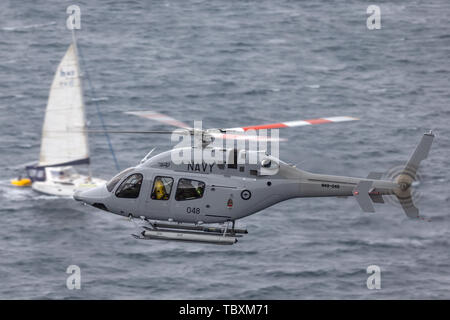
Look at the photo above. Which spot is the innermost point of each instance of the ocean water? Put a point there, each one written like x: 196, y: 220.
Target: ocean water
x: 233, y: 63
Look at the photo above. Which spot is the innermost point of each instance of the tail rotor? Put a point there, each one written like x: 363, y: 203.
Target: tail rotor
x: 408, y: 174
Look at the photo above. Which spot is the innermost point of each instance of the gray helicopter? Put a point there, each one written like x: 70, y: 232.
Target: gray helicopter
x: 180, y: 201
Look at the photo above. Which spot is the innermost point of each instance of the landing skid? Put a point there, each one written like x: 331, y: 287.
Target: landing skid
x: 190, y: 233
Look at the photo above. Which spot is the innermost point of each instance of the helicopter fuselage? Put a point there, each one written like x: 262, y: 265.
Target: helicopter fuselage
x: 158, y: 189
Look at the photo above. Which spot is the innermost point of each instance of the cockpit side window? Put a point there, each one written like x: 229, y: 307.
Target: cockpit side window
x: 115, y: 180
x: 130, y: 187
x: 189, y: 189
x: 162, y: 187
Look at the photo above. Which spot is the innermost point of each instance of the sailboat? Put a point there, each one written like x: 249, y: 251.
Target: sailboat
x: 64, y: 143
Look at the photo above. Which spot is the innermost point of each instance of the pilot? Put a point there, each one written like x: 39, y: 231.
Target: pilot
x: 160, y: 190
x: 199, y: 191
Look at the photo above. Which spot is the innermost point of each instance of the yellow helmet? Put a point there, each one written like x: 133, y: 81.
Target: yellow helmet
x: 160, y: 190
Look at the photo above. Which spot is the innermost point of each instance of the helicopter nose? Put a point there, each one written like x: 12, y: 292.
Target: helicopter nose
x: 95, y: 196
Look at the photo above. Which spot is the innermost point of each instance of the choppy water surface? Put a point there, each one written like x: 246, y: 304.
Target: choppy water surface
x: 232, y: 63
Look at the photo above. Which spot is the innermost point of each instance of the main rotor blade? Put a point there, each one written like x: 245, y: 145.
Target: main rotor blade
x: 139, y: 132
x: 232, y: 136
x: 160, y: 117
x: 217, y: 135
x: 296, y: 123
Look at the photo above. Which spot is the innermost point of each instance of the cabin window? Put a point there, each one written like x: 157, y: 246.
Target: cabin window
x: 130, y: 187
x: 36, y: 174
x: 189, y: 189
x: 40, y: 174
x: 115, y: 180
x: 162, y: 187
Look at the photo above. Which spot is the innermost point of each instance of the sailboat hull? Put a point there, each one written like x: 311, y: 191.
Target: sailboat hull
x: 64, y: 181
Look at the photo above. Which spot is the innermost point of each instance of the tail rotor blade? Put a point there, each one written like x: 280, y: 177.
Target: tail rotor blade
x: 406, y: 201
x: 409, y: 174
x: 420, y: 153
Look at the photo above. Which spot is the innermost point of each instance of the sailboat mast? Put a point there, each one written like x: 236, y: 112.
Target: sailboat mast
x: 75, y: 47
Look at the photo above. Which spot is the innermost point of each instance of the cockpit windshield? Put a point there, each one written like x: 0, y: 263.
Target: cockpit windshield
x: 113, y: 182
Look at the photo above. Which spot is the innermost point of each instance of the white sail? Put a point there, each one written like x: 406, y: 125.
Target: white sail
x: 63, y: 136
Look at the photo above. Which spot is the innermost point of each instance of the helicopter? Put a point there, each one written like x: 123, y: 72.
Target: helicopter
x: 199, y: 200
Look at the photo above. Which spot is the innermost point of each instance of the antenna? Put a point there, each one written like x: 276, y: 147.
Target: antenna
x: 148, y: 155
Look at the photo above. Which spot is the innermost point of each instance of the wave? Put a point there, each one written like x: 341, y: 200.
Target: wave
x: 277, y: 41
x: 100, y: 99
x: 28, y: 27
x: 13, y: 193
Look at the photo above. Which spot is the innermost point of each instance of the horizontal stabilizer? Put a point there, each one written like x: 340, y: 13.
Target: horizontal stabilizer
x: 376, y: 198
x: 361, y: 193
